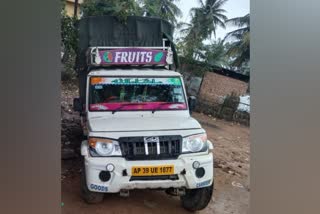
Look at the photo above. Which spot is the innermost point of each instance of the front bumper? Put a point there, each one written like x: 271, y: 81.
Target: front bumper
x: 120, y: 181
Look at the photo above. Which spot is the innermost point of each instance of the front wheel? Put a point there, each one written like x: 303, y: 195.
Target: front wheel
x: 87, y: 195
x: 197, y: 199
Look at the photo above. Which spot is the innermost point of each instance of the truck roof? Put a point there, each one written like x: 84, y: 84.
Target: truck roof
x: 133, y: 72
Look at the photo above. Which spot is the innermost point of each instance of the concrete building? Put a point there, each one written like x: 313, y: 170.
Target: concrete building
x: 70, y: 4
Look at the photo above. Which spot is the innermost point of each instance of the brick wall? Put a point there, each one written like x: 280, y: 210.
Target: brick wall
x: 215, y: 86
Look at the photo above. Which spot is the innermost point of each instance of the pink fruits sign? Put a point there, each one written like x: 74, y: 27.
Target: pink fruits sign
x: 130, y: 56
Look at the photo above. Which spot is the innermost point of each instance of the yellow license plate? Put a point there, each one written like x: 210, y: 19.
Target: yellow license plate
x: 152, y: 170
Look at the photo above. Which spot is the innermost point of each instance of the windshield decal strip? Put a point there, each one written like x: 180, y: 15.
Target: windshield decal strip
x: 135, y: 81
x: 137, y: 93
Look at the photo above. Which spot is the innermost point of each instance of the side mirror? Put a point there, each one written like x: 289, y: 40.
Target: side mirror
x: 192, y: 101
x: 77, y: 105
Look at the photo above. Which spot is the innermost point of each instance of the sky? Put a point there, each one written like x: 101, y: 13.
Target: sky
x: 234, y: 8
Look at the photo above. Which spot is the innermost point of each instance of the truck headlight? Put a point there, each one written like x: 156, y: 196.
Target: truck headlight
x: 195, y: 143
x: 104, y: 147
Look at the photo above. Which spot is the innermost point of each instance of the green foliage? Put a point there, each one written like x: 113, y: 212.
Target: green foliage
x: 206, y: 56
x: 119, y: 8
x: 207, y: 17
x: 245, y: 68
x: 240, y: 46
x: 69, y: 41
x: 62, y: 7
x: 68, y: 73
x: 229, y: 106
x: 214, y: 54
x: 243, y: 24
x: 232, y: 100
x: 69, y: 37
x: 165, y: 9
x: 204, y: 22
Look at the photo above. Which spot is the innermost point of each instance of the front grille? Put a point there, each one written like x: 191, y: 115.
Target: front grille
x: 133, y: 148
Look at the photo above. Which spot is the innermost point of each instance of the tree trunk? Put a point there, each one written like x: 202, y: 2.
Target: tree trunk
x: 75, y: 8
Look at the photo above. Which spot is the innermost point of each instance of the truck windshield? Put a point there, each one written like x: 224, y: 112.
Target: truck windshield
x: 136, y: 93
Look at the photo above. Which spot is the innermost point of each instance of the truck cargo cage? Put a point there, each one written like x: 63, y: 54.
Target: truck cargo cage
x: 100, y: 34
x: 133, y: 56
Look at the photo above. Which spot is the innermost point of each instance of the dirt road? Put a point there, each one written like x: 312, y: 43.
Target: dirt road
x: 231, y: 194
x: 227, y: 199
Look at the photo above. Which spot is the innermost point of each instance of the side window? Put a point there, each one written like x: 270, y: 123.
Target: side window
x: 177, y: 94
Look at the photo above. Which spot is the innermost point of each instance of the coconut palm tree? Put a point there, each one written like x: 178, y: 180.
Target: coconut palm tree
x: 165, y: 9
x: 215, y: 54
x: 240, y: 47
x: 243, y: 24
x: 207, y: 17
x: 204, y: 22
x: 189, y: 39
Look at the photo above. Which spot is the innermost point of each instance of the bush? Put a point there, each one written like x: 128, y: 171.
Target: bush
x: 232, y: 101
x: 68, y: 73
x: 229, y: 106
x: 69, y: 40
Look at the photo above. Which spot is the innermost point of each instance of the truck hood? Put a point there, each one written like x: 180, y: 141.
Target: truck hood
x: 108, y: 124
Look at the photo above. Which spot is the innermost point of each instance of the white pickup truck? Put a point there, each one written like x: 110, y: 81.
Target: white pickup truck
x: 139, y: 133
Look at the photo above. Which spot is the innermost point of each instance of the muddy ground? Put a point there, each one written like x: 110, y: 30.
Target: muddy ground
x: 231, y: 194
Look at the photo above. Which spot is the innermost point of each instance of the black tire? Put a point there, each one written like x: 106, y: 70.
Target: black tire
x: 87, y: 195
x: 197, y: 199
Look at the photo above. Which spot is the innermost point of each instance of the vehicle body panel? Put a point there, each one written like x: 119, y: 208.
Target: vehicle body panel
x: 94, y: 165
x: 114, y: 125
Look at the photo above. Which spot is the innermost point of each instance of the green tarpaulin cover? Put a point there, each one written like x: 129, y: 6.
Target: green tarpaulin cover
x: 109, y: 31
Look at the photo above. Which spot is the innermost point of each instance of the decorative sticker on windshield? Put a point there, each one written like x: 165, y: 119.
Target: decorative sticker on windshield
x: 174, y: 81
x: 96, y: 80
x: 136, y: 93
x: 137, y: 106
x: 135, y: 81
x: 98, y: 87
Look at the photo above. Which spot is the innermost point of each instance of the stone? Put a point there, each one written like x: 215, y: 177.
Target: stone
x: 150, y: 204
x: 67, y: 154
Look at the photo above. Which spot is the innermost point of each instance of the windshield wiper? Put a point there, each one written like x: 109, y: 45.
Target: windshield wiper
x: 165, y: 103
x: 123, y: 105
